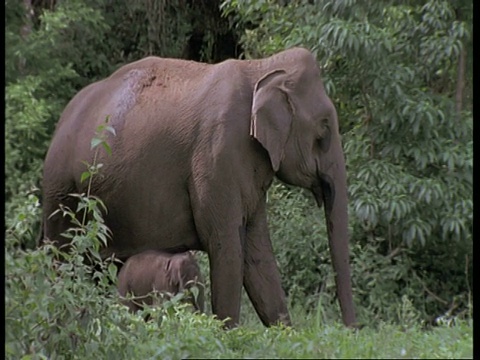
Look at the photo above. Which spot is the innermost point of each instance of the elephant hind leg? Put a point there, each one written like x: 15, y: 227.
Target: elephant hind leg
x: 54, y: 222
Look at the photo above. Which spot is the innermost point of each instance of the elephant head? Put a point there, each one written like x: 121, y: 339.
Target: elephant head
x: 296, y: 122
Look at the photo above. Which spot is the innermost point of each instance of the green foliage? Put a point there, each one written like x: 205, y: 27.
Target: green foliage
x: 53, y: 306
x: 40, y: 78
x: 55, y: 311
x: 144, y: 28
x: 392, y: 70
x: 295, y: 229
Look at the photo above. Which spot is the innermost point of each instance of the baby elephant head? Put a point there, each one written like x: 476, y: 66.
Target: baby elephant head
x: 184, y: 274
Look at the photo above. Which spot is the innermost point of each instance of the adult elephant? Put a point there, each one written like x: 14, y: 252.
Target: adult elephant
x: 195, y: 151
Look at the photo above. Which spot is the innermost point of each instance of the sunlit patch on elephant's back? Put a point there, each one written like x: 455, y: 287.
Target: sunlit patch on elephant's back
x: 125, y: 97
x: 151, y: 81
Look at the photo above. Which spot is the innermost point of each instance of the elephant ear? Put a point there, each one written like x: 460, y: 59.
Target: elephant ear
x: 173, y: 274
x: 272, y: 115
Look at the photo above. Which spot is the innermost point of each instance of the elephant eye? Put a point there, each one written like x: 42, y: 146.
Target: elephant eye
x: 323, y: 139
x: 323, y: 127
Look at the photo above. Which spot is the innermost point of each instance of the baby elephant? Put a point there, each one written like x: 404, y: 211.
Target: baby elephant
x: 162, y: 272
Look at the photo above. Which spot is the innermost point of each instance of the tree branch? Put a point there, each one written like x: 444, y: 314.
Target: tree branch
x: 429, y: 292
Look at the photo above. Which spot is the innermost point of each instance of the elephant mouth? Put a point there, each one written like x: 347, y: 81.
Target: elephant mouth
x: 324, y: 191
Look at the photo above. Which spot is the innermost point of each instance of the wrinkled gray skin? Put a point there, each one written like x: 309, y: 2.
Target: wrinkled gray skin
x: 195, y: 151
x: 153, y: 270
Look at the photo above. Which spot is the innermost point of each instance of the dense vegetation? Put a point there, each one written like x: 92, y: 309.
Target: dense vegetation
x: 400, y: 75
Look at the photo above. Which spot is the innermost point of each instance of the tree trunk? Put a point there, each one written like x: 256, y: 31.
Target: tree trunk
x: 27, y: 26
x: 25, y: 30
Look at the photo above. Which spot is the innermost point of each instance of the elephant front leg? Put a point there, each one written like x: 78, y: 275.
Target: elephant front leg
x: 217, y: 224
x: 261, y: 275
x: 226, y: 272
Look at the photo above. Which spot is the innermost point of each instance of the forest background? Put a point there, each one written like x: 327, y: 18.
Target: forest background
x: 400, y: 75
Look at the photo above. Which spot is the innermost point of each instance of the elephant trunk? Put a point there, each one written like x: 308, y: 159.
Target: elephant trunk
x: 332, y: 192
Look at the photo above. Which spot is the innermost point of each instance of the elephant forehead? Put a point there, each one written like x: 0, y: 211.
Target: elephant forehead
x: 182, y: 259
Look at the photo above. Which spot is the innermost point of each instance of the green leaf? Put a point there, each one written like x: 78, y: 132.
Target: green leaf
x: 85, y: 175
x: 111, y: 130
x: 95, y: 142
x: 107, y: 148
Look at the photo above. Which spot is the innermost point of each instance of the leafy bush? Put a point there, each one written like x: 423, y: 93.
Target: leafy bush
x: 70, y: 309
x: 40, y: 79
